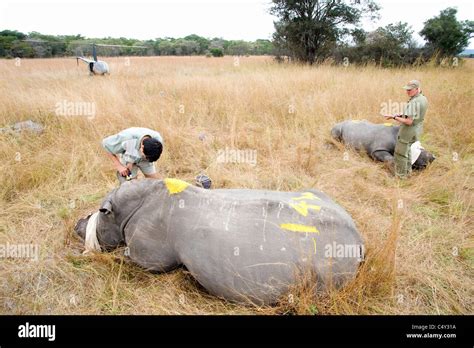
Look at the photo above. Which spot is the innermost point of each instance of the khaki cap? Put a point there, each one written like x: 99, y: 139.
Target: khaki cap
x: 412, y: 85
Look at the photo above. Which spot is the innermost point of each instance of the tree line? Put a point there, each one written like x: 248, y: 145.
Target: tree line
x: 36, y: 45
x: 306, y: 31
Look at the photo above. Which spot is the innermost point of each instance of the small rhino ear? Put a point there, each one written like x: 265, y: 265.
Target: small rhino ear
x: 106, y: 207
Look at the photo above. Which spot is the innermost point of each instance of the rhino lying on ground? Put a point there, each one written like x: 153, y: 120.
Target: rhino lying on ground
x: 378, y: 140
x: 242, y: 245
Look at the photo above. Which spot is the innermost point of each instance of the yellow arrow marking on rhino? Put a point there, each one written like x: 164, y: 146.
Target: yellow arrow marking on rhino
x: 306, y: 195
x: 302, y: 207
x: 299, y: 228
x: 175, y: 185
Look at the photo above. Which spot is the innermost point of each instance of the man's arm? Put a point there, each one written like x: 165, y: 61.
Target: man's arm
x: 407, y: 121
x: 123, y: 170
x: 113, y: 146
x: 410, y: 113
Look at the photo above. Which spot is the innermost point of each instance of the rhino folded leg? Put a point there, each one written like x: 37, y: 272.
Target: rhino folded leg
x: 382, y: 156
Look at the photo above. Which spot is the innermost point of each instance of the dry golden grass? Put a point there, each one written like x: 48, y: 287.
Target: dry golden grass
x: 419, y: 257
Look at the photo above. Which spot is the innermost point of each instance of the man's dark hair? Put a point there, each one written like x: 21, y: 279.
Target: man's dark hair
x: 152, y: 149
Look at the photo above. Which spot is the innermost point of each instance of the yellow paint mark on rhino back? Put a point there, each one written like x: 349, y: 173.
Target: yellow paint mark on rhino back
x: 388, y: 124
x: 175, y: 185
x: 299, y: 228
x: 302, y: 207
x: 306, y: 195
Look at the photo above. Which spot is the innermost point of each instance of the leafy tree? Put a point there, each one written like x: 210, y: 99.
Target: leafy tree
x: 166, y: 48
x: 238, y: 48
x: 309, y: 29
x: 217, y: 52
x: 261, y: 47
x: 446, y: 34
x: 11, y: 39
x: 398, y: 35
x: 218, y: 43
x: 185, y: 47
x: 6, y: 45
x: 392, y: 45
x: 201, y: 41
x: 21, y: 49
x: 14, y: 33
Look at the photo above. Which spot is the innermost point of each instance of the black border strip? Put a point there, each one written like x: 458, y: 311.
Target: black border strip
x: 345, y: 331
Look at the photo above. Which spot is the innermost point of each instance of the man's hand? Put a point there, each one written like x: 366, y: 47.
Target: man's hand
x: 123, y: 170
x: 404, y: 120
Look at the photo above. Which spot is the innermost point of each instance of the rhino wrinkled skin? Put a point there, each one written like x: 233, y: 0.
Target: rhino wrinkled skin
x: 240, y: 244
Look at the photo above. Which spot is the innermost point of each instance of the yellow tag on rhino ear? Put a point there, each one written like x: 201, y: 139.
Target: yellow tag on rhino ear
x: 175, y: 185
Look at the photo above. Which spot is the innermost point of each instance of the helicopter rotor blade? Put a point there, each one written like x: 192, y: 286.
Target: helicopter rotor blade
x: 85, y: 60
x: 125, y: 46
x: 40, y: 41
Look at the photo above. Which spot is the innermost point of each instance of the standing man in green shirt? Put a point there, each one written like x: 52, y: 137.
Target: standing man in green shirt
x: 410, y: 129
x: 132, y: 149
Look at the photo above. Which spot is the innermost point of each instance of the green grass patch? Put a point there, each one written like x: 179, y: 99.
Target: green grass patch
x: 92, y: 198
x: 441, y: 197
x: 467, y: 255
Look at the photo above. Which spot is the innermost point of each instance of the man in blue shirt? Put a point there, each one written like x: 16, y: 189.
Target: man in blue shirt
x: 132, y: 149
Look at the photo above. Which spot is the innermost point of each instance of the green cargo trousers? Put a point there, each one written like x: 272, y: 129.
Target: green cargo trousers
x: 402, y: 158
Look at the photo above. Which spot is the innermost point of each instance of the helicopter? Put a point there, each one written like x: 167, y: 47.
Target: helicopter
x: 95, y: 66
x: 99, y: 67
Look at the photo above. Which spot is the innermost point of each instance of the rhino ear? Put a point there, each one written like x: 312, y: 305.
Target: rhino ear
x: 106, y: 207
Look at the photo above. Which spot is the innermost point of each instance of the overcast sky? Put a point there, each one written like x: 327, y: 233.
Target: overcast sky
x: 149, y: 19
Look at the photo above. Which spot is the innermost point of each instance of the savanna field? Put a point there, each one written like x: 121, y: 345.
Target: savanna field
x: 418, y: 233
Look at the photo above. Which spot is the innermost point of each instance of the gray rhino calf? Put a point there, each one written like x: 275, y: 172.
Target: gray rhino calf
x: 242, y: 245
